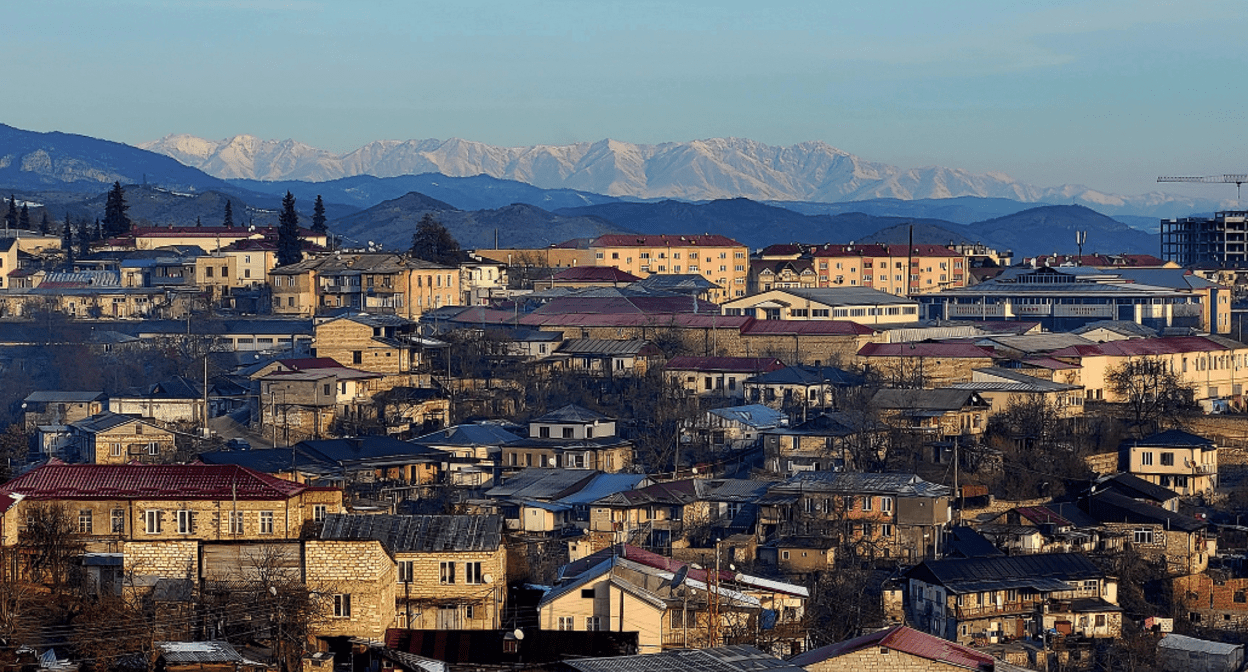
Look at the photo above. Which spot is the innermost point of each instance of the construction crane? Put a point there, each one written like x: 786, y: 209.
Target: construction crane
x: 1215, y: 179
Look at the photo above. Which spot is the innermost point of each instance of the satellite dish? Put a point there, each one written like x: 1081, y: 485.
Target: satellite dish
x: 731, y: 567
x: 488, y: 578
x: 518, y: 633
x: 681, y: 575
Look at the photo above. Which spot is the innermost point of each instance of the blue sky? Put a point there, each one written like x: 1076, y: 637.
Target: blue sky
x: 1107, y: 94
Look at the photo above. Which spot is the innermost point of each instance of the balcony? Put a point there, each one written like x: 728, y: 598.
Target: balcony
x: 1205, y: 469
x: 1005, y: 609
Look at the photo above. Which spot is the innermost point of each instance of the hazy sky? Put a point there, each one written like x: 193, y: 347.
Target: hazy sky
x: 1106, y: 94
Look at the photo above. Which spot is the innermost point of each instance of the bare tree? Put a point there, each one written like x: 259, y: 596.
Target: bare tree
x: 50, y: 544
x: 1152, y: 394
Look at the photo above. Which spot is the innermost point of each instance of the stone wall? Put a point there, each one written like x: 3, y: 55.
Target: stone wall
x: 164, y: 559
x: 360, y: 569
x: 877, y: 659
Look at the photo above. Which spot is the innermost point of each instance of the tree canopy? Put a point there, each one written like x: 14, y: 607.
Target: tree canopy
x: 228, y: 220
x: 10, y: 217
x: 116, y: 221
x: 432, y: 242
x: 318, y: 216
x: 289, y: 245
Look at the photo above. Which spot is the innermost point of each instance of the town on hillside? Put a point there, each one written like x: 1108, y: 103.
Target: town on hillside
x: 232, y: 448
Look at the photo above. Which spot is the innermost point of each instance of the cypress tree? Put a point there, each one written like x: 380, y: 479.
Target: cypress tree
x: 99, y: 230
x: 318, y: 216
x: 23, y: 218
x: 228, y: 220
x: 289, y: 246
x: 116, y: 222
x: 84, y: 238
x: 45, y: 226
x: 197, y: 222
x: 67, y: 241
x: 10, y: 217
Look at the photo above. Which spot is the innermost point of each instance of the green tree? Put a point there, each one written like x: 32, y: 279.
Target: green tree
x: 84, y: 238
x: 318, y: 216
x: 116, y: 221
x: 67, y: 241
x: 197, y: 222
x: 23, y: 218
x: 432, y: 242
x: 10, y: 217
x: 45, y: 225
x: 228, y: 220
x: 289, y: 245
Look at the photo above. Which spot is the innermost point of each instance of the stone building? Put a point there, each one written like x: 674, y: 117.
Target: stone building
x: 112, y: 438
x: 571, y: 437
x: 418, y: 572
x: 895, y: 649
x: 374, y: 343
x: 55, y: 407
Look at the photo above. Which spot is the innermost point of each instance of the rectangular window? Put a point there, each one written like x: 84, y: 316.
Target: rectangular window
x: 186, y: 521
x: 236, y: 522
x: 266, y: 522
x: 1167, y: 459
x: 867, y: 503
x: 405, y: 571
x: 1146, y: 459
x: 84, y: 521
x: 342, y: 605
x: 593, y: 623
x: 446, y: 573
x: 472, y: 572
x: 886, y: 530
x: 119, y: 521
x: 565, y: 623
x: 153, y: 448
x: 567, y: 432
x: 1142, y: 536
x: 886, y: 504
x: 151, y: 521
x: 115, y: 450
x: 319, y: 511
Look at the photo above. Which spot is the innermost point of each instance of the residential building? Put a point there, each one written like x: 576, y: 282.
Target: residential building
x: 722, y: 659
x: 474, y: 450
x: 1213, y: 367
x: 940, y: 413
x: 1174, y: 459
x: 376, y: 343
x: 717, y: 376
x: 857, y: 304
x: 825, y: 442
x: 721, y: 260
x: 55, y: 407
x: 1180, y: 543
x: 663, y: 515
x: 925, y: 364
x: 426, y: 572
x: 896, y: 648
x: 207, y: 238
x: 603, y: 357
x: 571, y: 437
x: 733, y: 427
x: 579, y: 277
x: 481, y: 282
x: 899, y: 270
x: 1221, y: 239
x: 371, y: 282
x: 1002, y: 387
x: 883, y: 516
x: 994, y: 599
x: 112, y: 438
x: 800, y: 386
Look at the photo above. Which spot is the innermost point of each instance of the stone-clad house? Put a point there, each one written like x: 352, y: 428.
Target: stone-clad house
x: 112, y: 438
x: 418, y: 572
x: 171, y: 521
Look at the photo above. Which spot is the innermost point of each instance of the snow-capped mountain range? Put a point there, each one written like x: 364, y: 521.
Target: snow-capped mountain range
x: 696, y: 170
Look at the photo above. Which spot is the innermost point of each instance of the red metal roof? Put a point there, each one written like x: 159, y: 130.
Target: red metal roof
x: 1040, y: 515
x: 1137, y: 347
x: 1050, y: 363
x: 948, y: 350
x: 806, y: 328
x: 139, y: 481
x: 663, y: 240
x: 725, y: 364
x: 906, y: 640
x: 876, y: 250
x: 594, y: 274
x: 685, y: 320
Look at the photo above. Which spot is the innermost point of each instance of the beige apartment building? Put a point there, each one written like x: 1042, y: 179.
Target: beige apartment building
x: 719, y: 259
x: 896, y: 269
x: 371, y: 282
x: 1174, y: 459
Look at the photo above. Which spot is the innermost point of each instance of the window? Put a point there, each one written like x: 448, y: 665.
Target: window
x: 886, y: 504
x: 153, y: 448
x: 151, y: 521
x: 236, y: 522
x: 1167, y: 459
x: 565, y: 623
x: 84, y: 521
x: 342, y: 605
x: 115, y: 450
x: 446, y: 573
x: 319, y: 511
x: 405, y: 571
x: 266, y: 522
x: 886, y: 530
x: 1142, y: 536
x: 593, y: 623
x: 1146, y: 459
x: 587, y: 593
x: 472, y: 572
x: 867, y: 503
x: 186, y: 521
x: 543, y: 432
x: 567, y: 432
x: 119, y: 521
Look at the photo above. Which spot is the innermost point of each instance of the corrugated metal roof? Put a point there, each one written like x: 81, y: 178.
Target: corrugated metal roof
x: 1185, y: 643
x: 1138, y: 347
x: 939, y: 350
x: 594, y: 274
x: 67, y: 397
x: 719, y: 659
x: 198, y: 652
x: 663, y: 240
x: 603, y: 346
x: 1045, y: 572
x: 803, y: 374
x: 417, y: 534
x: 571, y: 413
x: 906, y: 640
x: 541, y: 483
x: 753, y: 365
x: 757, y: 416
x: 806, y: 328
x: 149, y: 481
x: 889, y: 483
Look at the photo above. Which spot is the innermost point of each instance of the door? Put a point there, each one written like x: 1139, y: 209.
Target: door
x: 448, y: 617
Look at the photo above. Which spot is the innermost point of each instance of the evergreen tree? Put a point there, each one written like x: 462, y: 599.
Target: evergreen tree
x: 228, y: 220
x: 84, y: 238
x: 116, y: 221
x: 289, y: 245
x: 197, y: 222
x: 67, y: 241
x: 10, y: 217
x: 318, y: 216
x: 99, y: 230
x: 45, y: 226
x: 432, y: 242
x: 23, y: 218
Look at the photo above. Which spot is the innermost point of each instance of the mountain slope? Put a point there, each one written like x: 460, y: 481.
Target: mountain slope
x: 393, y: 222
x: 1052, y: 228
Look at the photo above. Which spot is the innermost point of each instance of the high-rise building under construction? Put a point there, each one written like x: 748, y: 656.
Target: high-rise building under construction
x: 1221, y: 239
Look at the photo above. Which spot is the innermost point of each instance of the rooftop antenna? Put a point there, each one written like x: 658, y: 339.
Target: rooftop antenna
x: 1081, y: 237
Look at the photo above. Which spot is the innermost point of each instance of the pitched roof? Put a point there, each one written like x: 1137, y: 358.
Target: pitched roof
x: 149, y: 481
x: 417, y: 534
x: 66, y: 397
x: 941, y: 350
x: 1139, y: 347
x: 804, y: 374
x: 571, y: 413
x: 1134, y: 487
x: 1114, y: 507
x: 756, y: 327
x: 663, y: 240
x: 906, y: 640
x: 1173, y: 438
x: 468, y: 435
x: 1046, y: 572
x: 719, y: 659
x: 753, y: 365
x: 888, y: 483
x: 106, y: 421
x: 541, y: 483
x: 841, y: 296
x: 604, y: 346
x: 752, y: 415
x: 944, y: 399
x: 594, y: 274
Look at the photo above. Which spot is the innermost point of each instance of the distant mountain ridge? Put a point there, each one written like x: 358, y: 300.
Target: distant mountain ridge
x: 697, y: 170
